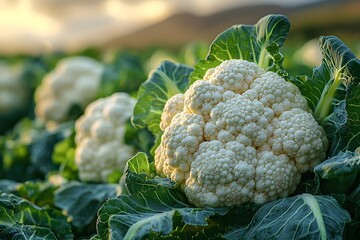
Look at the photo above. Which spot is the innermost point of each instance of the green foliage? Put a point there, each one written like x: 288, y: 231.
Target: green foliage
x: 140, y: 175
x: 345, y: 163
x: 15, y: 162
x: 153, y: 209
x: 39, y: 193
x: 248, y: 42
x: 141, y: 139
x: 64, y: 156
x: 81, y: 202
x: 124, y: 72
x: 332, y: 93
x: 164, y: 82
x: 20, y: 219
x: 301, y: 217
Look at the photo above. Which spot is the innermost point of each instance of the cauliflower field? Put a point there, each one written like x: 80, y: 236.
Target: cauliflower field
x: 227, y: 144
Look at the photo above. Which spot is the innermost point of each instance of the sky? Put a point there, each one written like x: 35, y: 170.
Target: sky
x: 33, y: 26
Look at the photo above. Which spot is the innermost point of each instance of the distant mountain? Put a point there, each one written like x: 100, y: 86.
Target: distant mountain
x: 327, y: 16
x: 181, y: 28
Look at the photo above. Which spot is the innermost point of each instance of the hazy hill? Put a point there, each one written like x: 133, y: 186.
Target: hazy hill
x: 328, y: 17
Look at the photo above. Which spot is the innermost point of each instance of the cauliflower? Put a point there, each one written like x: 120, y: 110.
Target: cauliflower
x: 74, y: 81
x: 13, y: 90
x: 239, y: 135
x: 100, y: 137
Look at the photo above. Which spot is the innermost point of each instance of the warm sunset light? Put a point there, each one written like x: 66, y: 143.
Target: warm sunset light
x: 40, y: 26
x: 179, y: 119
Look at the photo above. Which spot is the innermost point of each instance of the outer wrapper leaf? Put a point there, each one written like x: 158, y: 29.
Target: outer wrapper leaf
x: 163, y: 83
x: 139, y: 175
x: 333, y: 94
x: 26, y: 232
x: 338, y: 174
x: 344, y: 163
x: 157, y: 212
x: 248, y: 42
x: 17, y: 214
x: 301, y: 217
x: 156, y: 209
x: 82, y: 201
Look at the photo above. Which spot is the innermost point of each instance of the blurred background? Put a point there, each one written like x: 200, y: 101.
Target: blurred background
x: 45, y: 26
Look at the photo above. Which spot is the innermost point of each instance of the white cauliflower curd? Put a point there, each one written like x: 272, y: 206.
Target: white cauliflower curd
x: 239, y: 135
x: 74, y: 81
x: 100, y: 137
x: 13, y: 90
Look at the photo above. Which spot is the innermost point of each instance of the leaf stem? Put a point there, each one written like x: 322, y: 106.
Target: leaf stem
x: 324, y: 105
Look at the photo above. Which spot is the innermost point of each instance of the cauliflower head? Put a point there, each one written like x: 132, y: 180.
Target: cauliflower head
x: 13, y: 90
x: 100, y: 137
x: 239, y: 135
x: 74, y: 81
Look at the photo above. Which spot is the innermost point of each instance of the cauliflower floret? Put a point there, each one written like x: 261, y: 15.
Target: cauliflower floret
x: 300, y: 137
x: 203, y: 96
x: 272, y: 91
x: 241, y: 135
x: 74, y: 81
x: 251, y: 119
x: 234, y: 75
x: 175, y: 153
x: 173, y: 106
x: 221, y: 174
x: 100, y: 137
x: 276, y: 177
x: 13, y: 91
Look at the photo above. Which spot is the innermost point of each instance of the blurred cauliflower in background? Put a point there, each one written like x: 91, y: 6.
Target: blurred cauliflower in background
x: 15, y: 95
x: 13, y: 90
x: 74, y: 82
x: 100, y: 134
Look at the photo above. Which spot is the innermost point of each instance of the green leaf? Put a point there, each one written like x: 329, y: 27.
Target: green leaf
x: 333, y: 94
x: 344, y: 163
x: 140, y: 175
x: 25, y: 232
x: 141, y: 139
x: 164, y: 82
x: 8, y: 186
x: 153, y: 212
x: 16, y: 212
x: 124, y: 72
x: 304, y: 216
x: 82, y: 201
x: 64, y: 156
x: 338, y: 174
x: 42, y: 147
x: 352, y: 230
x: 39, y: 193
x: 156, y: 209
x: 354, y: 202
x: 248, y: 42
x: 95, y: 237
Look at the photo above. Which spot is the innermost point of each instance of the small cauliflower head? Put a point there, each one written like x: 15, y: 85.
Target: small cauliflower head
x: 239, y: 135
x: 74, y: 81
x: 13, y: 90
x: 100, y: 136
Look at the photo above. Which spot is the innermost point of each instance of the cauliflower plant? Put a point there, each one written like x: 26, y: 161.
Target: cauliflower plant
x: 74, y: 81
x: 13, y: 90
x: 239, y: 135
x: 100, y: 137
